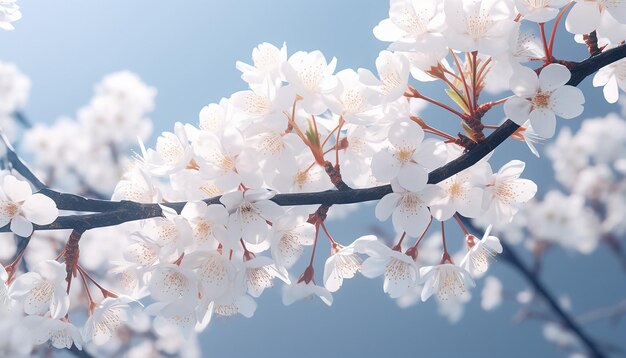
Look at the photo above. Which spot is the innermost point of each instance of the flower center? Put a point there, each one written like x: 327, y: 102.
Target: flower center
x: 404, y: 155
x: 477, y: 25
x: 10, y: 209
x: 541, y: 100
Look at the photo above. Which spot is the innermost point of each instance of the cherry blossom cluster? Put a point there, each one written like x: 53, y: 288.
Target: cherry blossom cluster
x: 14, y: 91
x: 88, y: 152
x: 301, y: 126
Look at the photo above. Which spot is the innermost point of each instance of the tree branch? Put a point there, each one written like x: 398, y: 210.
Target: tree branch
x: 512, y: 258
x: 116, y: 212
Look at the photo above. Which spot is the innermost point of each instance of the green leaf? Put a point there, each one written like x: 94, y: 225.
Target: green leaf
x: 457, y: 99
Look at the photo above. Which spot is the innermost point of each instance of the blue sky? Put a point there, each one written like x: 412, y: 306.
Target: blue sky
x: 187, y: 50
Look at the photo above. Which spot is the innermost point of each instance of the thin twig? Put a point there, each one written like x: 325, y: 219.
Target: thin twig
x: 510, y: 256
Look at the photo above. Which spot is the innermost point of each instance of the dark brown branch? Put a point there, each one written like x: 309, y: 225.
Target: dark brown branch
x: 512, y: 258
x: 115, y: 213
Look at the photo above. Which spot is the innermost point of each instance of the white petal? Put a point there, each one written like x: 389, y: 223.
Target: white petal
x: 384, y: 166
x: 15, y: 189
x: 21, y: 226
x: 517, y: 109
x: 583, y: 18
x: 412, y: 177
x: 567, y: 102
x: 40, y: 209
x: 543, y: 122
x: 524, y: 82
x: 553, y: 76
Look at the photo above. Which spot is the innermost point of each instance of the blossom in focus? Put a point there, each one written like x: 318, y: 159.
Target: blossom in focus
x: 475, y: 25
x: 506, y: 191
x: 249, y: 213
x: 586, y: 15
x: 413, y: 25
x: 446, y: 280
x: 481, y: 253
x: 613, y: 78
x: 399, y: 269
x: 312, y: 78
x: 408, y: 210
x: 540, y: 98
x: 297, y: 291
x: 60, y: 333
x: 539, y: 11
x: 408, y: 156
x: 105, y: 319
x: 344, y: 262
x: 43, y: 290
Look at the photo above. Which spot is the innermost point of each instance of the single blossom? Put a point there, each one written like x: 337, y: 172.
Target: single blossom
x: 301, y: 290
x: 587, y: 15
x: 61, y: 333
x: 539, y: 98
x: 481, y: 252
x: 106, y: 318
x: 312, y: 79
x: 408, y: 156
x: 413, y: 25
x: 20, y: 207
x: 446, y: 280
x: 408, y: 210
x: 344, y: 262
x: 506, y: 191
x: 540, y: 10
x: 482, y: 26
x: 613, y: 78
x: 43, y: 291
x: 399, y: 269
x: 250, y: 211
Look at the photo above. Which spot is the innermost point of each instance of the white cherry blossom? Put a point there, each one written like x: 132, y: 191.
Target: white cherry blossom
x: 408, y: 157
x: 208, y: 223
x: 169, y: 283
x: 259, y: 273
x: 60, y: 333
x: 506, y: 191
x: 108, y: 316
x: 408, y: 210
x: 344, y: 262
x: 481, y: 253
x: 446, y: 280
x: 288, y: 237
x: 9, y: 12
x: 475, y: 25
x: 312, y: 79
x: 300, y: 290
x: 540, y: 98
x: 539, y: 10
x: 399, y: 269
x: 249, y: 212
x: 413, y: 25
x: 20, y: 207
x: 586, y: 15
x: 267, y: 65
x: 43, y: 291
x: 613, y: 78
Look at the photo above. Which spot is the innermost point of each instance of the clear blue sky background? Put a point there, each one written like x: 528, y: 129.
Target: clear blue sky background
x: 187, y: 49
